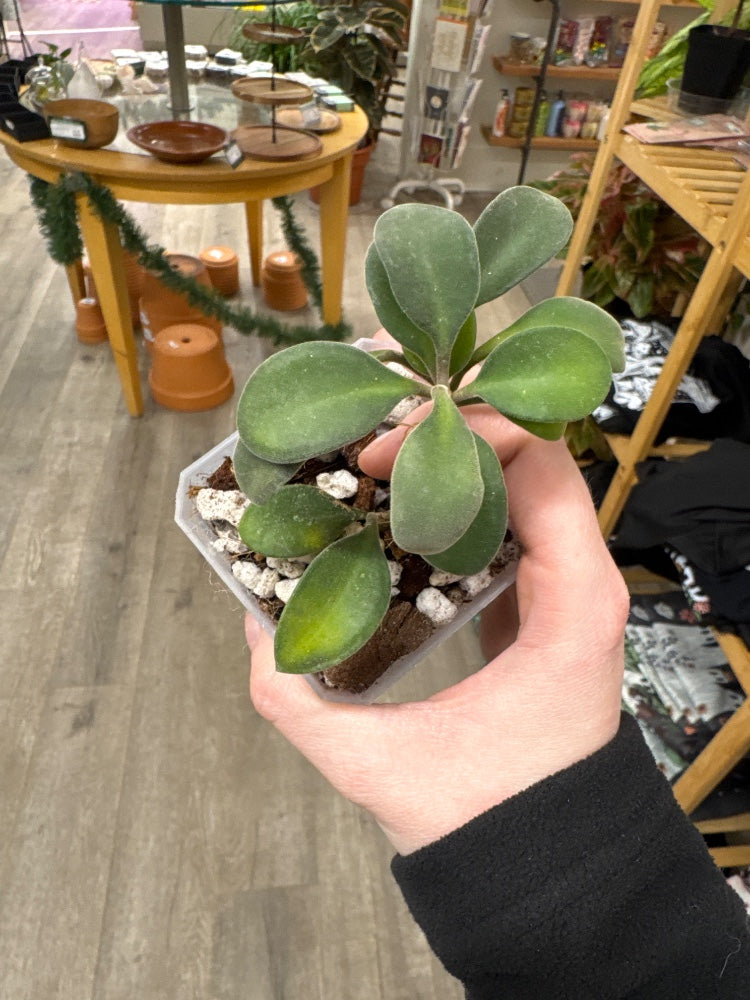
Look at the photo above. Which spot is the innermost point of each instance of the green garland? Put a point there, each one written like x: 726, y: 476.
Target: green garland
x: 58, y: 221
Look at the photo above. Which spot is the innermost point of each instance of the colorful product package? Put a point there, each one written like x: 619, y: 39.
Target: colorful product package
x: 566, y: 40
x: 598, y: 54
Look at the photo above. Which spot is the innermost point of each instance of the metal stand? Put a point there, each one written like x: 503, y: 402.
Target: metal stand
x: 539, y: 86
x: 174, y: 40
x: 451, y: 189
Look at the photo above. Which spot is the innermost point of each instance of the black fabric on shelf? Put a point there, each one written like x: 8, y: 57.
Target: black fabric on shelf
x: 699, y: 505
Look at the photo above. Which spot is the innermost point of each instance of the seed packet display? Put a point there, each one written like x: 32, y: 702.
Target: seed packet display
x: 430, y: 149
x: 583, y: 40
x: 566, y: 40
x: 598, y: 53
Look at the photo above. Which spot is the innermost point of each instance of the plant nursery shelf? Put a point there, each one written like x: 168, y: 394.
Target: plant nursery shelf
x: 538, y: 142
x: 509, y: 67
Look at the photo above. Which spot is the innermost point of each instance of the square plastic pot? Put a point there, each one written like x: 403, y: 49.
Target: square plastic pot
x: 201, y: 535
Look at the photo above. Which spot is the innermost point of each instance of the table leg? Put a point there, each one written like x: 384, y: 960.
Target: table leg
x: 105, y: 256
x: 76, y: 281
x: 254, y: 216
x: 334, y: 213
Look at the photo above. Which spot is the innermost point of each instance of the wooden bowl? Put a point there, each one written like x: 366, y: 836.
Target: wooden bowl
x: 100, y: 121
x: 178, y: 141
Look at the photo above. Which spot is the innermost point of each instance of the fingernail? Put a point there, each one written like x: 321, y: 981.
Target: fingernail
x: 252, y: 631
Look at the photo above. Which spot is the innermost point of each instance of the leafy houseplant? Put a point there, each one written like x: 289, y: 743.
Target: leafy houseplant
x: 639, y: 250
x: 427, y: 270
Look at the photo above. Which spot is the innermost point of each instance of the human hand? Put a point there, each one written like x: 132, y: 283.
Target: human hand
x: 550, y: 698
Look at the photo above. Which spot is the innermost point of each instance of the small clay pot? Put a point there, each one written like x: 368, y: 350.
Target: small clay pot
x: 188, y: 369
x: 281, y: 280
x: 154, y: 319
x: 223, y: 269
x: 133, y: 278
x: 155, y: 293
x: 90, y: 326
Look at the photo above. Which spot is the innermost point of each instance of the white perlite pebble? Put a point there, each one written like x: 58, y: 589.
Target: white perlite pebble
x: 265, y: 585
x: 285, y: 589
x: 401, y: 410
x: 290, y: 568
x: 436, y: 606
x: 439, y: 578
x: 340, y: 485
x: 473, y: 585
x: 230, y: 542
x: 394, y: 569
x: 221, y: 505
x: 246, y: 572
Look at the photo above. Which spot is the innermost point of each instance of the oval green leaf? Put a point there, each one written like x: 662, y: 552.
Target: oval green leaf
x: 337, y: 605
x: 296, y: 521
x: 546, y: 375
x: 463, y: 348
x: 257, y: 478
x: 391, y: 315
x: 430, y: 258
x: 573, y: 314
x: 520, y: 230
x: 436, y: 486
x: 478, y: 546
x: 551, y: 431
x: 314, y: 397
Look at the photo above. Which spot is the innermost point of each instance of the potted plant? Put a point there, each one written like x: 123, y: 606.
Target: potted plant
x: 427, y: 271
x: 640, y: 255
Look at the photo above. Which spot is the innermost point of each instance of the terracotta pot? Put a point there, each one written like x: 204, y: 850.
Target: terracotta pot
x: 188, y: 369
x: 90, y: 326
x: 133, y: 278
x: 360, y: 159
x: 281, y: 279
x: 223, y: 269
x: 160, y: 306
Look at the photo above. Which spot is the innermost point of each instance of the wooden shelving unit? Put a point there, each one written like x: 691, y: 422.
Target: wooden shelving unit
x: 508, y: 67
x: 712, y: 193
x: 538, y: 142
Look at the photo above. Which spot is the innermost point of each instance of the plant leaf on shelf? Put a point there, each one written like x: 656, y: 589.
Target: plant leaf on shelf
x: 573, y: 314
x: 314, y: 397
x: 390, y: 313
x: 296, y: 521
x: 545, y: 375
x: 337, y: 605
x: 436, y: 485
x: 479, y: 544
x: 518, y: 231
x: 258, y: 479
x: 432, y: 265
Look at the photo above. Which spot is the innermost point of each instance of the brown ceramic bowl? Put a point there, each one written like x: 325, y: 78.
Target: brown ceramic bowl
x: 178, y: 141
x: 99, y: 118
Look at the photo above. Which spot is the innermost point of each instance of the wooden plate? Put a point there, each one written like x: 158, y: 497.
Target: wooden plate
x: 329, y: 120
x: 262, y: 142
x: 178, y: 141
x: 271, y: 90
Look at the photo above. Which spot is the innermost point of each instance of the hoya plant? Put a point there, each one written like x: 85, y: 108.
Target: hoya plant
x: 427, y: 271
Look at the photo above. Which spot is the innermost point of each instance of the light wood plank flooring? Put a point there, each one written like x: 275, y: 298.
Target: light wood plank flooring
x: 157, y: 839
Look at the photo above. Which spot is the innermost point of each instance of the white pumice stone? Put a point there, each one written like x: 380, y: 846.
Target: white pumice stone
x: 395, y: 570
x: 473, y: 585
x: 401, y: 410
x: 229, y: 541
x: 247, y: 572
x: 340, y: 485
x: 381, y: 495
x: 265, y: 585
x: 436, y: 606
x: 439, y: 578
x: 285, y: 588
x: 221, y: 505
x: 292, y: 569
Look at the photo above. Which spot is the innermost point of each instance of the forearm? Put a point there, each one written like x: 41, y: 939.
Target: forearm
x: 591, y: 884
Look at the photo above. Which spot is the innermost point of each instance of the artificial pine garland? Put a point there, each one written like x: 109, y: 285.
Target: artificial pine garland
x: 58, y: 221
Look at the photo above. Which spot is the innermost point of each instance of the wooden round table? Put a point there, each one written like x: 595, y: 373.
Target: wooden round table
x: 132, y: 177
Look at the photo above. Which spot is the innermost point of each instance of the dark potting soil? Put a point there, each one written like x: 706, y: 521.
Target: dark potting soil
x: 404, y: 628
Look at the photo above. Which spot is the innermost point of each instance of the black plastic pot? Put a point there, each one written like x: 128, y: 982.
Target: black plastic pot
x: 716, y: 63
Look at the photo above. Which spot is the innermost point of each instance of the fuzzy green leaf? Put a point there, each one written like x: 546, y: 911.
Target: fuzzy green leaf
x: 551, y: 431
x: 546, y: 375
x: 520, y: 230
x: 436, y: 486
x: 314, y: 397
x: 296, y: 521
x: 463, y: 348
x: 390, y: 313
x: 573, y: 314
x: 478, y: 546
x: 430, y: 258
x: 337, y: 605
x: 257, y: 479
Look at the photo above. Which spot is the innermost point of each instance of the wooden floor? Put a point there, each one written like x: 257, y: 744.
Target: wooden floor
x: 157, y: 839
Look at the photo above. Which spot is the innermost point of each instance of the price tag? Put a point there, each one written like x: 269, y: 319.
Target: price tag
x: 233, y: 154
x: 68, y: 128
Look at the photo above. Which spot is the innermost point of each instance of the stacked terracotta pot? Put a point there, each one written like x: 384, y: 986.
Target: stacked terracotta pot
x: 160, y: 306
x: 223, y: 269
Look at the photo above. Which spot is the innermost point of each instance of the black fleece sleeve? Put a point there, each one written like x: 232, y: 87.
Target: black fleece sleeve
x: 590, y: 885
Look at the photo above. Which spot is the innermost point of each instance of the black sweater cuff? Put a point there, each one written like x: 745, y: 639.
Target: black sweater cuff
x: 590, y: 884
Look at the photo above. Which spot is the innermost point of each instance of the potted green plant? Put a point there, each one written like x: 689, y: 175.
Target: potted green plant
x: 427, y: 271
x: 641, y: 256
